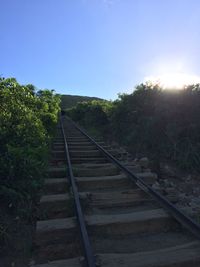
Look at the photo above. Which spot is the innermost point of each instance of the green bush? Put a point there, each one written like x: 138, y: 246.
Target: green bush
x: 27, y: 123
x: 161, y: 124
x: 93, y: 115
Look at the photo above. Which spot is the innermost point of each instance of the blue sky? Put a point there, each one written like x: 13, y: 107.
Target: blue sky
x: 97, y: 47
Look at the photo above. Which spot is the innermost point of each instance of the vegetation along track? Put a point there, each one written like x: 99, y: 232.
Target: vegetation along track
x: 121, y: 221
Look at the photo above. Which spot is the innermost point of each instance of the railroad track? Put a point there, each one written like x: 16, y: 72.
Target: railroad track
x: 96, y: 212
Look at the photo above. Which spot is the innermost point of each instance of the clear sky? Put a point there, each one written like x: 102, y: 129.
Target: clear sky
x: 97, y: 47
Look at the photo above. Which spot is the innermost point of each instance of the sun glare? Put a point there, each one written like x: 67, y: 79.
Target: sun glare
x: 176, y: 80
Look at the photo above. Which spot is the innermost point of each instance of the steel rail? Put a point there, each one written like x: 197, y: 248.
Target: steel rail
x: 89, y: 256
x: 182, y: 218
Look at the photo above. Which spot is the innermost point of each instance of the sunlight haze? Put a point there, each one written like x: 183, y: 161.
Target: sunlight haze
x: 173, y: 80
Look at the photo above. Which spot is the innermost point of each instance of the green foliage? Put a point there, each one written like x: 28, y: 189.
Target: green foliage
x: 93, y: 115
x: 159, y: 123
x: 27, y: 122
x: 69, y: 101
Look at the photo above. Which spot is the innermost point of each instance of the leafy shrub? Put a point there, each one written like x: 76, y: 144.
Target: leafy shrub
x: 93, y: 115
x: 159, y: 123
x: 27, y: 122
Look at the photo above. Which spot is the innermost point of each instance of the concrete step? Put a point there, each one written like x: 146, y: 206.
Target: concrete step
x: 112, y: 210
x: 56, y: 239
x: 186, y: 255
x: 90, y: 153
x: 85, y: 153
x: 77, y: 160
x: 85, y: 147
x: 83, y: 143
x: 81, y: 139
x: 88, y: 183
x: 134, y: 243
x: 82, y: 148
x: 125, y: 198
x: 56, y: 250
x: 47, y: 230
x: 71, y: 131
x: 56, y: 186
x: 56, y: 206
x: 148, y: 221
x: 93, y: 169
x: 77, y: 139
x: 103, y: 182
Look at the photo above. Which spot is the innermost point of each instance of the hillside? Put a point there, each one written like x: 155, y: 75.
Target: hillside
x: 69, y: 101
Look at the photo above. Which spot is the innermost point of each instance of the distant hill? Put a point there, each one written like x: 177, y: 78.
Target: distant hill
x: 69, y: 101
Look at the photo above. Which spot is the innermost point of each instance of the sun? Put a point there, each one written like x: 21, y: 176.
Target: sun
x: 174, y: 80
